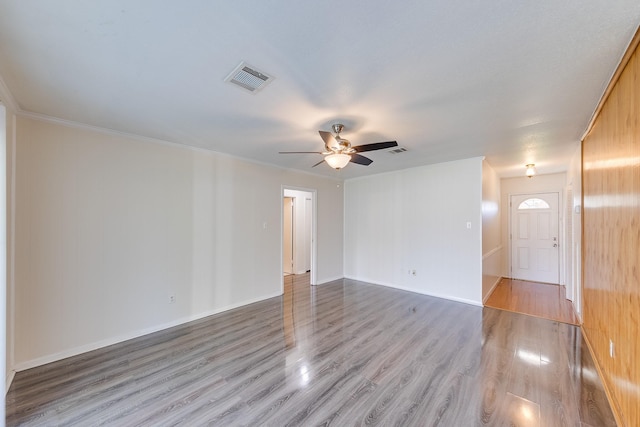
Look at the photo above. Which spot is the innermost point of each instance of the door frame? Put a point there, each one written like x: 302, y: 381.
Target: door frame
x: 561, y: 231
x: 7, y: 246
x: 289, y: 228
x: 314, y: 248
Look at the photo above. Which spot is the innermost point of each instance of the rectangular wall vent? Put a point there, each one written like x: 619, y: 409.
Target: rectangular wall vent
x: 398, y: 150
x: 248, y: 78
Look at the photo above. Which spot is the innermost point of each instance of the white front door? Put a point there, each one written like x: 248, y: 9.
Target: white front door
x: 535, y: 237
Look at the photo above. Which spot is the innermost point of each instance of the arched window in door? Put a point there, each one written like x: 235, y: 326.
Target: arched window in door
x: 534, y: 203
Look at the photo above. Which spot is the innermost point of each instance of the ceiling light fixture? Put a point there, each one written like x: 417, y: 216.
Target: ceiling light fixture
x: 338, y: 160
x: 531, y: 170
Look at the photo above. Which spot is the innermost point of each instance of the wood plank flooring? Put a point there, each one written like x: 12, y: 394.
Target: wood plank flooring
x: 533, y: 298
x: 344, y: 353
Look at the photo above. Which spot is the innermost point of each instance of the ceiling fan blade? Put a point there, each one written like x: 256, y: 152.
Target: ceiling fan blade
x: 361, y: 160
x: 328, y: 138
x: 375, y: 146
x: 300, y: 152
x: 321, y: 161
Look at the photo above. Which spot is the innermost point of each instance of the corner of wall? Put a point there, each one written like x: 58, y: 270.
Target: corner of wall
x: 6, y: 329
x: 492, y: 247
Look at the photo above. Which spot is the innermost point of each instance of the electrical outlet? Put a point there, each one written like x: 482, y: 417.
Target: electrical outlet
x: 612, y: 349
x: 172, y: 298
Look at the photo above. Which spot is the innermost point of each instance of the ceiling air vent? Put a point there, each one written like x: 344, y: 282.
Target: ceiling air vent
x: 398, y: 150
x: 248, y: 78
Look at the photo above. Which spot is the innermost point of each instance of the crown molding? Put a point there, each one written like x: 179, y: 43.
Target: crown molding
x: 105, y: 131
x: 6, y: 97
x: 136, y: 137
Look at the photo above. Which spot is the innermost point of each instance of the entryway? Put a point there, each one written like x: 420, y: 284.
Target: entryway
x: 533, y: 298
x: 533, y: 285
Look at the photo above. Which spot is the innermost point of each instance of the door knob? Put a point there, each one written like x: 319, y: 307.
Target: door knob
x: 555, y: 245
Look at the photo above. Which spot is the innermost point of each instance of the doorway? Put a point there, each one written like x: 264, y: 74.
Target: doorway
x: 299, y: 232
x: 535, y: 237
x: 287, y: 235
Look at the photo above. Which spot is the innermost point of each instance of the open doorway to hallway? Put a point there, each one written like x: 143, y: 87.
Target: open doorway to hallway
x: 298, y: 232
x: 287, y: 235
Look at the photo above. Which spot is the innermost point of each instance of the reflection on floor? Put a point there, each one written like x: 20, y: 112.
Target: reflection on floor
x: 533, y: 298
x: 342, y: 353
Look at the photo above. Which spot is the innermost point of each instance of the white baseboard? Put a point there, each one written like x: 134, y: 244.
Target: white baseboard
x: 418, y: 291
x: 9, y: 380
x: 486, y: 297
x: 491, y: 252
x: 327, y: 280
x: 28, y: 364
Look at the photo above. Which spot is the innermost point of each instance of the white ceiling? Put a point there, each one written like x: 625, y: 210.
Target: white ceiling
x: 514, y: 81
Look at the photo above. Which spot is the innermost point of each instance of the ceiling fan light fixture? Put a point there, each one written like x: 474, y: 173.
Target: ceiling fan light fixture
x: 531, y: 170
x: 338, y: 160
x: 339, y: 152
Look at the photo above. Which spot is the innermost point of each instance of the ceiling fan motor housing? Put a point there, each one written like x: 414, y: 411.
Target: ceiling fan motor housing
x: 342, y: 145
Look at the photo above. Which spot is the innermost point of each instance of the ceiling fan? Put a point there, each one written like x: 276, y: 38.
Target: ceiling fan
x: 338, y: 151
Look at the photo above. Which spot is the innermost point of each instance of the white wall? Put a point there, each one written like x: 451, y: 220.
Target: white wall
x: 301, y: 230
x: 492, y: 249
x: 574, y: 245
x: 416, y: 219
x: 108, y: 226
x: 522, y: 185
x: 9, y: 319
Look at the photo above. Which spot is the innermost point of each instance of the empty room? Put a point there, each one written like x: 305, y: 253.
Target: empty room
x: 320, y: 213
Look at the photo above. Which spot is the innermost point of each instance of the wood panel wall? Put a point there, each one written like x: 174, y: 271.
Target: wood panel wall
x: 611, y: 239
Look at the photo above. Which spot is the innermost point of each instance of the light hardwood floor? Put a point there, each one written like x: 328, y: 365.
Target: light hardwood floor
x: 344, y: 353
x: 533, y: 298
